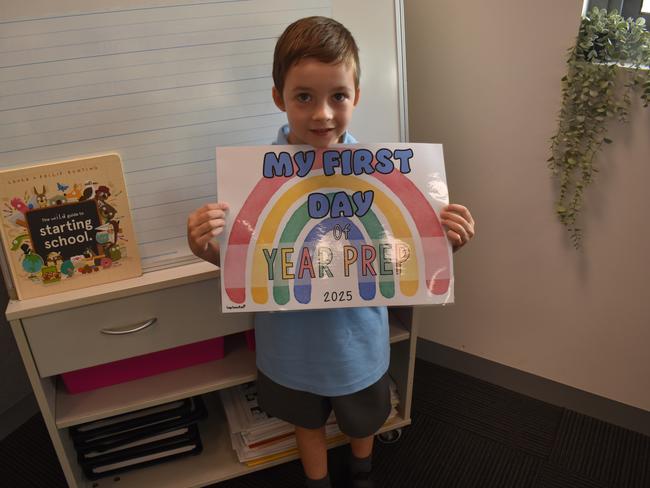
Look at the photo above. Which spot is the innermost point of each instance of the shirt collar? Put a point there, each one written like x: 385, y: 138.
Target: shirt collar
x: 283, y: 135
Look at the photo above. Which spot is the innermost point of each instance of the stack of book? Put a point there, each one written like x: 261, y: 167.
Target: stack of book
x: 258, y: 438
x: 137, y: 439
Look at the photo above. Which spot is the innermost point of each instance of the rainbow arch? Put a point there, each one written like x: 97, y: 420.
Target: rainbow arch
x: 437, y: 266
x: 266, y: 237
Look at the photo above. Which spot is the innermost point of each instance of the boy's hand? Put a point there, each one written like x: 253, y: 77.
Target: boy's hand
x: 203, y: 225
x: 459, y: 223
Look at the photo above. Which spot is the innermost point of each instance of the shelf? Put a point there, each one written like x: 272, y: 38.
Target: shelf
x: 237, y: 367
x: 217, y: 462
x: 396, y: 330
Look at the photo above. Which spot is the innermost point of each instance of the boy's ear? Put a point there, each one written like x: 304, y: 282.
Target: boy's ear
x: 357, y: 94
x: 277, y: 99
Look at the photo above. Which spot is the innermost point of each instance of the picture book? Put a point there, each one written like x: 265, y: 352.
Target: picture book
x: 66, y: 225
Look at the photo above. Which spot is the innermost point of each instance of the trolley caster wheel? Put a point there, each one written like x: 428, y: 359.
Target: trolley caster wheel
x: 390, y: 437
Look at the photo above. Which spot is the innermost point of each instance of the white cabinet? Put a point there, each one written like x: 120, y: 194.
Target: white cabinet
x: 63, y: 332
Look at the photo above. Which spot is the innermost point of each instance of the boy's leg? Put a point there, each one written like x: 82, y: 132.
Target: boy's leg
x: 313, y: 451
x: 361, y: 447
x: 361, y: 461
x: 308, y: 414
x: 360, y: 415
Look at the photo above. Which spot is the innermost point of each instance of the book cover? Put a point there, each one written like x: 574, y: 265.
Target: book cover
x: 66, y: 225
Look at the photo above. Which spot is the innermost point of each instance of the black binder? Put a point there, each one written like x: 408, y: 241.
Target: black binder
x: 147, y: 454
x: 110, y: 433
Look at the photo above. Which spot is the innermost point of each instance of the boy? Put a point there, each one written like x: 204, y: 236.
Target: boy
x: 310, y: 362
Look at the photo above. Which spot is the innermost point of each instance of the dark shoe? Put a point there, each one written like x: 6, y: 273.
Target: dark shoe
x: 322, y: 483
x: 362, y: 480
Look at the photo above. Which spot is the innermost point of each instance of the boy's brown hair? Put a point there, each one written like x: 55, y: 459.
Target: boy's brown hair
x: 321, y: 38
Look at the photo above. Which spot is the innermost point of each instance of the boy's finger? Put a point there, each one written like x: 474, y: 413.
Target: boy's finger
x: 201, y: 213
x: 216, y: 231
x: 216, y: 206
x: 215, y: 214
x: 453, y: 217
x: 204, y: 214
x: 206, y: 227
x: 460, y: 210
x: 202, y: 242
x: 456, y: 207
x: 455, y: 239
x: 458, y: 230
x: 447, y: 217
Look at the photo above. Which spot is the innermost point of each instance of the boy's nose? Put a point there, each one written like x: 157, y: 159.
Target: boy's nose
x: 322, y: 112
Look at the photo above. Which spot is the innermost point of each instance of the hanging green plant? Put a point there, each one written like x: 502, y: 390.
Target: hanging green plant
x: 594, y: 91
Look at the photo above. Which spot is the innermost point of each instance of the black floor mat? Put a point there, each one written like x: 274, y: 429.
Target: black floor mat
x: 466, y: 433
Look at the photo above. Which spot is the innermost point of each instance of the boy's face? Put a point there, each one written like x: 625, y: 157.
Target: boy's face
x: 319, y: 99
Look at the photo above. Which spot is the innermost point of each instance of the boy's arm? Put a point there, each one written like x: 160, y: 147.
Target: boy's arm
x: 203, y: 225
x: 459, y: 223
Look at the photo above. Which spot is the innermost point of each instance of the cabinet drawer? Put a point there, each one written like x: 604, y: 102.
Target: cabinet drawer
x: 73, y: 339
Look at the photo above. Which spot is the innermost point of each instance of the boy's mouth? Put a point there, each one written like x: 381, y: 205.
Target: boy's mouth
x: 322, y: 132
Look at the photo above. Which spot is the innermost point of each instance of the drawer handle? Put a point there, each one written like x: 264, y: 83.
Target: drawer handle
x: 129, y: 329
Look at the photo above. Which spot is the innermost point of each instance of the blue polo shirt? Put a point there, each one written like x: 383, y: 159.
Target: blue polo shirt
x: 330, y: 352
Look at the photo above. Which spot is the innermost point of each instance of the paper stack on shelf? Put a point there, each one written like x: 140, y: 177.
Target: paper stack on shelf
x: 137, y: 439
x: 258, y: 438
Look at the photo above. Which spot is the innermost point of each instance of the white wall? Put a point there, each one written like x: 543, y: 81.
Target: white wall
x: 484, y: 80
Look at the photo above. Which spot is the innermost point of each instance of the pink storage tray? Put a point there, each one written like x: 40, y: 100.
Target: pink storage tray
x: 250, y: 339
x: 141, y: 366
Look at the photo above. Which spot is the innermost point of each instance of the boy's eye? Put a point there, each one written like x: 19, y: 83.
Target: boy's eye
x: 340, y: 97
x: 303, y: 97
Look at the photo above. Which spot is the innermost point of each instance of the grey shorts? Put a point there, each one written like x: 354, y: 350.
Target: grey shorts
x: 359, y: 414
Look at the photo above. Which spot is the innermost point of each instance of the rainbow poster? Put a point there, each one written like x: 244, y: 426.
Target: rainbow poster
x: 347, y: 226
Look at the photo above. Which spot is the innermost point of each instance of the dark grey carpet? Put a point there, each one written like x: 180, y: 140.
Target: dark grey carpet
x: 466, y: 433
x: 27, y: 458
